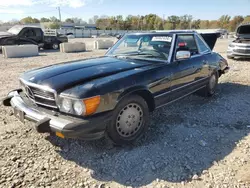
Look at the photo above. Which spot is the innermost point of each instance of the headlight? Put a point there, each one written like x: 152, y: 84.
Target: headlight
x: 231, y: 45
x: 67, y: 104
x: 79, y: 107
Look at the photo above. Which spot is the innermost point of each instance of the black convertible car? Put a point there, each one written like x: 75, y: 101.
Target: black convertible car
x: 114, y: 94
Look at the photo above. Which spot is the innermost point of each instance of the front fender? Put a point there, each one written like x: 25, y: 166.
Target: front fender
x: 131, y: 90
x: 142, y: 91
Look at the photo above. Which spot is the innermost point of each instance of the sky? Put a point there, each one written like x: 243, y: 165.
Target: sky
x: 85, y: 9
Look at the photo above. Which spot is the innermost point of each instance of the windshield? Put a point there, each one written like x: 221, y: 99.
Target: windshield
x: 15, y: 29
x: 146, y: 46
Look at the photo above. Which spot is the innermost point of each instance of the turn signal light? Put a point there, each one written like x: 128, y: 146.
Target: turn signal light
x: 92, y: 104
x: 60, y: 135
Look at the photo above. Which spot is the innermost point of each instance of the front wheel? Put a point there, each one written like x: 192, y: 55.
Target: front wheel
x: 129, y: 121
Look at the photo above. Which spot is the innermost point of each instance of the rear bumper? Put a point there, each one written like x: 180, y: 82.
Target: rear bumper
x: 54, y: 122
x: 225, y: 70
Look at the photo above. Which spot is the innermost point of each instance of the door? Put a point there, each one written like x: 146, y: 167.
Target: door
x: 188, y: 74
x: 206, y: 52
x: 31, y: 34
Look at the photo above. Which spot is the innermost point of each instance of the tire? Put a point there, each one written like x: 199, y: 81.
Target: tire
x: 230, y: 57
x: 129, y: 120
x: 55, y: 46
x: 211, y: 86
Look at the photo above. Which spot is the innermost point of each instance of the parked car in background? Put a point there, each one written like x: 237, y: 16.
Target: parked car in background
x: 240, y: 47
x: 114, y: 94
x: 24, y: 34
x: 105, y: 35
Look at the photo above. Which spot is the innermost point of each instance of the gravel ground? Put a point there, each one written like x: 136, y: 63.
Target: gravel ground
x: 195, y: 142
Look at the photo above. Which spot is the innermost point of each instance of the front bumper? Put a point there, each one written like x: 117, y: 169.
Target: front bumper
x: 239, y: 50
x: 55, y: 122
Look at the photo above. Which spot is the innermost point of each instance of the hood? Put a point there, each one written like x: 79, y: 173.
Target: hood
x: 210, y: 38
x: 67, y: 75
x: 243, y: 31
x: 4, y: 34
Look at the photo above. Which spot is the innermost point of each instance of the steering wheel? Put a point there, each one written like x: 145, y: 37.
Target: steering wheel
x: 157, y: 53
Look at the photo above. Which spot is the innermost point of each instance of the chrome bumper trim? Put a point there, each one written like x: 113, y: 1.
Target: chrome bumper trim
x: 35, y: 115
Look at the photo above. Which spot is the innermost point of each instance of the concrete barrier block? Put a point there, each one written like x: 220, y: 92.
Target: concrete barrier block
x: 103, y: 44
x: 72, y: 47
x: 20, y: 51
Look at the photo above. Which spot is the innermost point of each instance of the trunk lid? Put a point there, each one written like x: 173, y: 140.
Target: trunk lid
x: 210, y: 38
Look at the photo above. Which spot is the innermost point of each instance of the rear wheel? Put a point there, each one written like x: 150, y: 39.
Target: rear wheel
x: 55, y: 46
x: 211, y: 86
x: 129, y: 120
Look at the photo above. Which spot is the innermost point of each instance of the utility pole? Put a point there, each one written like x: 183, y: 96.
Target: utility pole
x: 163, y: 20
x: 59, y: 11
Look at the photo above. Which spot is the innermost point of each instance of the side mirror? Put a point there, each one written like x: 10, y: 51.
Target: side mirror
x: 181, y: 55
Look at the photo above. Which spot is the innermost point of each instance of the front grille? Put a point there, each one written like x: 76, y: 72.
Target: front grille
x: 40, y: 96
x: 243, y: 51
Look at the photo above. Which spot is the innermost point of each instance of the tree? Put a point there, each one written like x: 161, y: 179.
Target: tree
x: 13, y: 22
x: 168, y: 26
x: 95, y: 18
x: 185, y: 22
x: 78, y: 20
x: 69, y: 20
x: 54, y: 19
x: 204, y: 24
x: 29, y: 19
x: 44, y: 20
x: 54, y: 26
x: 103, y: 23
x: 174, y: 20
x: 196, y: 24
x: 235, y: 22
x: 133, y: 22
x: 213, y: 24
x: 149, y: 21
x: 224, y: 21
x: 247, y: 19
x: 91, y: 21
x: 158, y: 23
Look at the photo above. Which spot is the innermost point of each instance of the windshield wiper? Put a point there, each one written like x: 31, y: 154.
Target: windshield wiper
x: 139, y: 56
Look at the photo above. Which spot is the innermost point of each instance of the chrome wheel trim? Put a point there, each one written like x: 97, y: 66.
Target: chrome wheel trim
x: 129, y: 120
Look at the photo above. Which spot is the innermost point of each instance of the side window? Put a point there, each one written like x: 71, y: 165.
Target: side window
x: 38, y: 32
x: 202, y: 46
x: 187, y: 42
x: 29, y: 33
x: 32, y: 33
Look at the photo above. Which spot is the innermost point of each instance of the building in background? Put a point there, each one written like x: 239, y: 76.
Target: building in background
x: 78, y: 26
